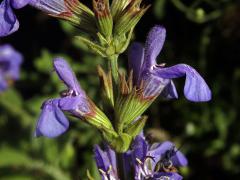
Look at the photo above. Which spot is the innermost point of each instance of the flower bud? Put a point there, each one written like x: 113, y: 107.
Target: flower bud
x: 103, y: 17
x: 129, y: 17
x: 78, y: 15
x: 117, y: 7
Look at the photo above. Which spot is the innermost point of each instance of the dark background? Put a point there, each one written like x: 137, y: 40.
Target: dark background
x: 202, y: 33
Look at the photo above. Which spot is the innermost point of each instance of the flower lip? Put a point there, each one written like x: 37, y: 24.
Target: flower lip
x: 17, y: 4
x: 66, y: 74
x: 154, y: 45
x: 52, y: 122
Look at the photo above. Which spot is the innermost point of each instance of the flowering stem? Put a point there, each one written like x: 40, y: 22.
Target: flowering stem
x: 113, y: 64
x: 120, y: 166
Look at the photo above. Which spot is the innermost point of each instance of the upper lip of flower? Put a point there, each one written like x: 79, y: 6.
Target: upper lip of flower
x: 67, y: 76
x: 143, y: 63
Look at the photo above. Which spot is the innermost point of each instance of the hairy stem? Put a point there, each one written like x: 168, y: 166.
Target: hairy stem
x: 113, y: 65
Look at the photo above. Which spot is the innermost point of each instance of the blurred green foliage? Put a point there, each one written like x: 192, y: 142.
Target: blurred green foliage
x: 202, y: 33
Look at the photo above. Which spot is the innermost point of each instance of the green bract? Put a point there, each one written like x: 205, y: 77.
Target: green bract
x: 108, y: 27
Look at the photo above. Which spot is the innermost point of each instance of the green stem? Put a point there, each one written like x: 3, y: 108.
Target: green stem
x: 113, y: 65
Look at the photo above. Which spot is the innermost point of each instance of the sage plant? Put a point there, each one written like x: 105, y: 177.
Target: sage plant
x: 107, y: 30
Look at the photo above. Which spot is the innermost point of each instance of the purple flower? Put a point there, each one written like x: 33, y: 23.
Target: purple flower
x: 8, y: 20
x: 52, y: 122
x: 157, y: 160
x: 156, y: 78
x: 10, y: 61
x: 106, y: 162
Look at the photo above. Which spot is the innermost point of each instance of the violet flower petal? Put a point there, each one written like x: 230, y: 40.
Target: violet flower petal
x: 66, y: 74
x: 101, y: 158
x: 52, y: 122
x: 111, y: 156
x: 195, y: 88
x: 179, y: 159
x: 153, y: 85
x: 8, y: 21
x: 106, y: 160
x: 77, y: 104
x: 140, y: 148
x: 135, y: 60
x: 158, y: 151
x: 54, y: 7
x: 169, y: 91
x: 167, y: 175
x: 153, y: 46
x: 17, y: 4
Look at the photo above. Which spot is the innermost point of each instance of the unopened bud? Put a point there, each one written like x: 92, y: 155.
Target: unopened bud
x: 103, y: 17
